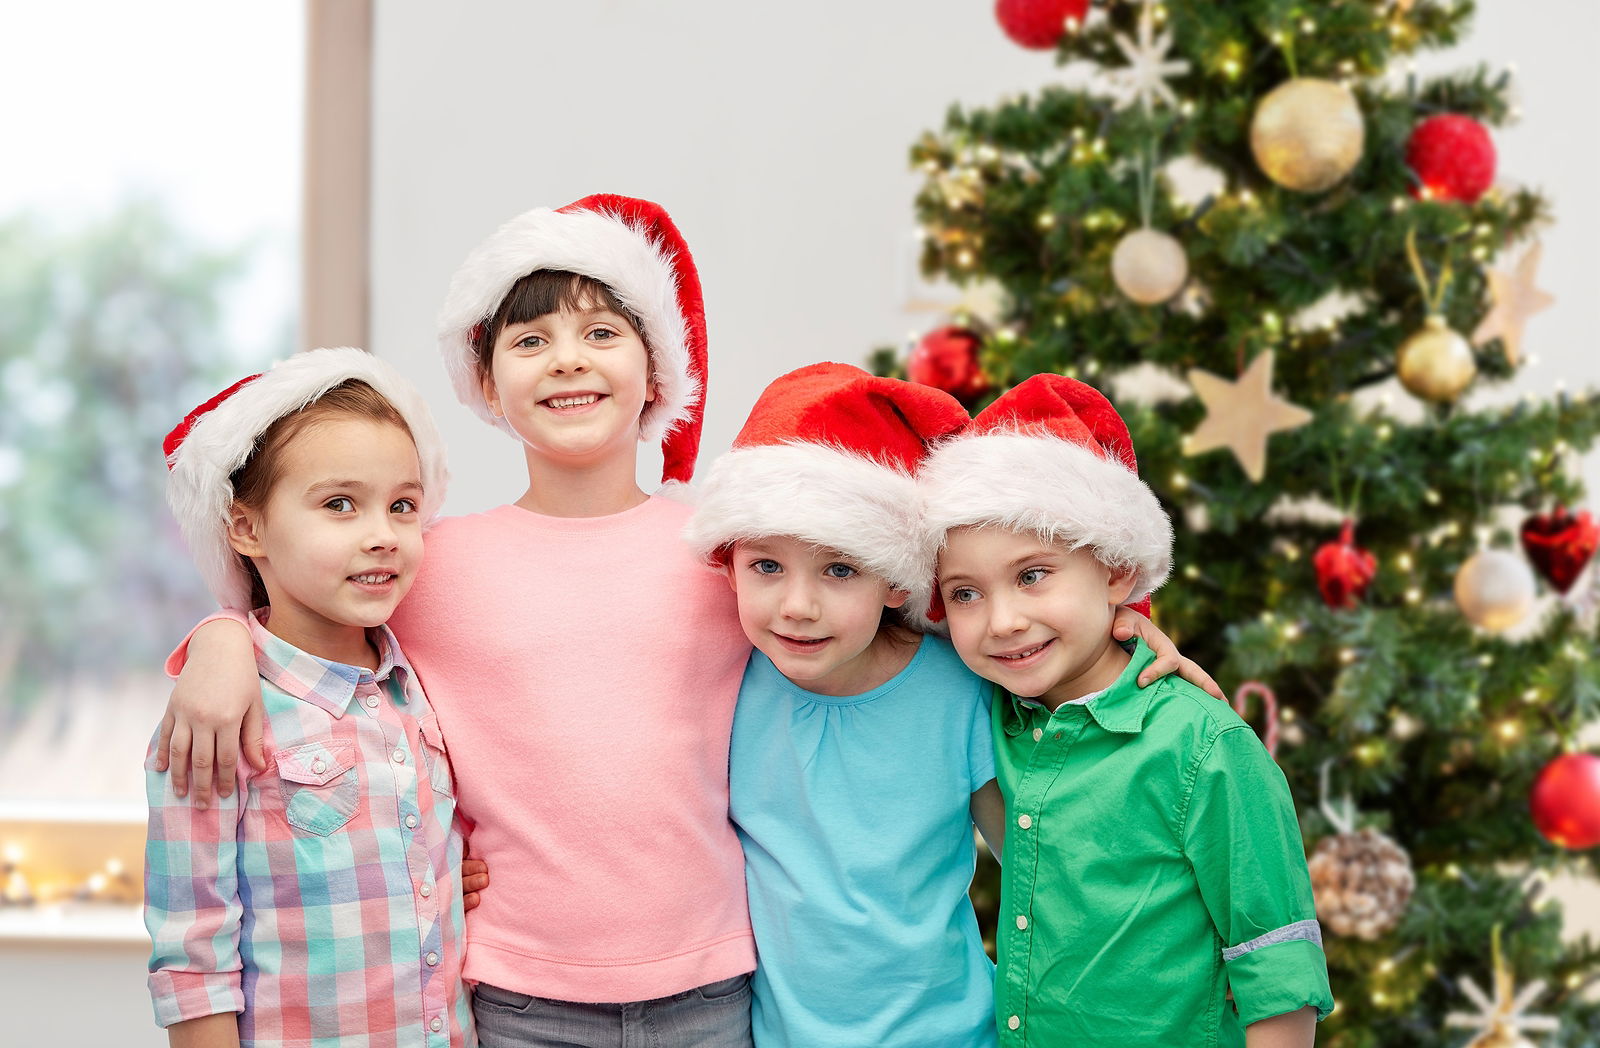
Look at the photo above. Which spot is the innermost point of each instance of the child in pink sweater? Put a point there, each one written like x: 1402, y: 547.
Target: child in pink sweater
x: 583, y: 662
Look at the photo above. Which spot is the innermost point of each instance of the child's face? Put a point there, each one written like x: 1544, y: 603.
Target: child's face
x: 1030, y: 616
x: 572, y: 385
x: 811, y: 611
x: 339, y: 539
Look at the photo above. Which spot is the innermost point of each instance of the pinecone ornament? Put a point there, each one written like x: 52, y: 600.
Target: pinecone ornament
x: 1362, y: 882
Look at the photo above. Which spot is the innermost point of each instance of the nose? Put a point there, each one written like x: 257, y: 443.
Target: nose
x: 800, y: 601
x: 570, y: 356
x: 381, y: 533
x: 1005, y: 617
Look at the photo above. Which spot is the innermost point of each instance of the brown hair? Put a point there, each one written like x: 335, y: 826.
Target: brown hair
x: 540, y: 293
x: 253, y: 482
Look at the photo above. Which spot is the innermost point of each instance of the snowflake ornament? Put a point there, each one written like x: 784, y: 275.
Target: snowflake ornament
x: 1503, y: 1019
x: 1144, y: 80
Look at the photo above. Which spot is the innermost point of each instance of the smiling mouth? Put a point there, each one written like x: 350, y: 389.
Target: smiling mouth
x: 801, y: 643
x: 578, y: 401
x: 1021, y: 656
x: 375, y: 578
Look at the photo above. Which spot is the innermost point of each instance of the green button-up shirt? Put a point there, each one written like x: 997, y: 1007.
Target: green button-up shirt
x: 1153, y: 862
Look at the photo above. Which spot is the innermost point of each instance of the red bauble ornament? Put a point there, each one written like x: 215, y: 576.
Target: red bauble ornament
x: 947, y: 359
x: 1565, y: 801
x: 1452, y: 157
x: 1038, y: 24
x: 1344, y: 570
x: 1560, y: 544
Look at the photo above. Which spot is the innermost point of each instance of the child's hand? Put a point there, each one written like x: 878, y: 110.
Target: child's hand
x: 1129, y: 623
x: 214, y: 708
x: 474, y: 879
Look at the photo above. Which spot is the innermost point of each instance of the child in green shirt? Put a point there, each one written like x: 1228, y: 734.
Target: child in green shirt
x: 1154, y: 861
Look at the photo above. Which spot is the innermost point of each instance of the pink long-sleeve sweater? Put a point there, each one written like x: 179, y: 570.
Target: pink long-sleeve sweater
x: 584, y: 672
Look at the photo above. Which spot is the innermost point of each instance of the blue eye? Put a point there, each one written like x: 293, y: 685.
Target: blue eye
x: 839, y: 571
x: 766, y: 567
x: 403, y: 506
x: 339, y: 504
x: 528, y: 342
x: 961, y: 595
x: 1032, y: 576
x: 603, y: 334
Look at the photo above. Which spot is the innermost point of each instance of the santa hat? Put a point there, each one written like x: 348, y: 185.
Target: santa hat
x: 218, y: 437
x: 1053, y: 457
x: 633, y: 248
x: 827, y: 456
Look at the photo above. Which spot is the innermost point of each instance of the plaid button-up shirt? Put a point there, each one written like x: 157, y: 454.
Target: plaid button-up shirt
x: 322, y: 901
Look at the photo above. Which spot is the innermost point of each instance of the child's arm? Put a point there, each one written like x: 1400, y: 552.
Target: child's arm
x: 211, y: 1031
x: 1242, y: 840
x: 989, y: 816
x: 192, y: 907
x: 1129, y: 623
x: 1290, y: 1030
x: 214, y: 709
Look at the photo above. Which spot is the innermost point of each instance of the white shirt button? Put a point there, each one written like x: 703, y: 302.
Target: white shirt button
x: 372, y: 701
x: 411, y: 822
x: 436, y: 1025
x: 1038, y: 733
x: 319, y: 766
x: 1022, y: 922
x: 399, y: 756
x: 1025, y: 821
x: 1013, y: 1022
x: 426, y: 890
x: 432, y: 958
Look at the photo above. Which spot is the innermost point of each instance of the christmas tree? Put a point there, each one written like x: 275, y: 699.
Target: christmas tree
x: 1289, y: 265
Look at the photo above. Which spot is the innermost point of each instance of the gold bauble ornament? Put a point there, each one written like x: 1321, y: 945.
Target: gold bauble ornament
x: 1436, y: 363
x: 1495, y: 589
x: 1149, y: 266
x: 1307, y: 134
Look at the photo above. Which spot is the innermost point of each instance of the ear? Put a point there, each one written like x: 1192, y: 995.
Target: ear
x: 896, y: 598
x: 491, y: 396
x: 725, y: 565
x: 244, y: 530
x: 1119, y: 586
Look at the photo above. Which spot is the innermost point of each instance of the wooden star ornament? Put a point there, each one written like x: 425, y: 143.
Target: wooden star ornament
x: 1242, y: 414
x: 1514, y: 297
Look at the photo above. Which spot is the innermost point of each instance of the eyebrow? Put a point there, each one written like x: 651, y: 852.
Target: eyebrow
x: 357, y: 485
x: 1039, y: 554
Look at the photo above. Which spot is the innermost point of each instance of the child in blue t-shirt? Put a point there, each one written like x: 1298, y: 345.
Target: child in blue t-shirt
x: 861, y: 755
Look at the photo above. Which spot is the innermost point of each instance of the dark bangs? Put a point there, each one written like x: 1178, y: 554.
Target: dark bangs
x: 541, y: 293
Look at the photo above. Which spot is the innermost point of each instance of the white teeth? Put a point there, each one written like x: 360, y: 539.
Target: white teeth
x: 372, y: 580
x: 573, y: 402
x: 1022, y: 654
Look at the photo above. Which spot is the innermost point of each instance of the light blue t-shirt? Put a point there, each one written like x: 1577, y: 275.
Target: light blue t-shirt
x: 855, y: 818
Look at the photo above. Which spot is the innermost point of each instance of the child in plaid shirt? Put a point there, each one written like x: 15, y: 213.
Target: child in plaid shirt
x: 321, y: 900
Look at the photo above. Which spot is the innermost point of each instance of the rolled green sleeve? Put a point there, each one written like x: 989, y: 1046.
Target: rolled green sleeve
x: 1243, y: 841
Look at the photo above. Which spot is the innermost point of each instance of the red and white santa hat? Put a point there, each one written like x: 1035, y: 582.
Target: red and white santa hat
x: 632, y: 247
x: 218, y: 437
x: 1051, y: 456
x: 828, y: 456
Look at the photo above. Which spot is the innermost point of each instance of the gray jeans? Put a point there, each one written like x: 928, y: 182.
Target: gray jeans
x: 716, y: 1015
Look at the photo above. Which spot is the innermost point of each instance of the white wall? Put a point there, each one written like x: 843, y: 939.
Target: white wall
x: 776, y: 134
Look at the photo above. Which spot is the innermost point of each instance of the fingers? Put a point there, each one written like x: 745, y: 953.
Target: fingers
x: 180, y: 760
x: 227, y: 765
x: 253, y: 736
x: 202, y: 758
x: 1163, y: 665
x: 1190, y: 671
x: 164, y: 742
x: 470, y: 901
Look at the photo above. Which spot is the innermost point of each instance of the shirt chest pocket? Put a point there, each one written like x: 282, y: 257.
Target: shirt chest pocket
x: 433, y: 755
x: 321, y: 791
